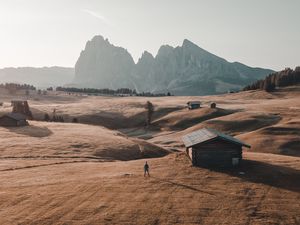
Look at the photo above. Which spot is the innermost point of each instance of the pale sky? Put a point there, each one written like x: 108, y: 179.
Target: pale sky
x: 262, y: 33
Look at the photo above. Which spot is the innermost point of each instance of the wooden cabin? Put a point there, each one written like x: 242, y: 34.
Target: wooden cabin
x: 21, y: 107
x: 213, y: 105
x: 193, y: 105
x: 210, y: 148
x: 13, y: 120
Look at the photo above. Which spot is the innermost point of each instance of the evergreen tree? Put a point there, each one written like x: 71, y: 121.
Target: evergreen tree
x: 150, y: 110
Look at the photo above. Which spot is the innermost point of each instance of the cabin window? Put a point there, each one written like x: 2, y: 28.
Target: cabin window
x: 235, y: 161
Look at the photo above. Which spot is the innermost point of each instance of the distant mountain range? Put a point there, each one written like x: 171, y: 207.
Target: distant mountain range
x: 183, y: 70
x: 39, y: 77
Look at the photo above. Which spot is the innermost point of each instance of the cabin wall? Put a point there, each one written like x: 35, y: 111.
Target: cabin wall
x: 194, y: 106
x: 213, y: 105
x: 216, y: 153
x: 8, y: 122
x: 22, y: 123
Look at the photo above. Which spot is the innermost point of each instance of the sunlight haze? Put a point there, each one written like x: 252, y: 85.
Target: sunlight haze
x: 54, y: 32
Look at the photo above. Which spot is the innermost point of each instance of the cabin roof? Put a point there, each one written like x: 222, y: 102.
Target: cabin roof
x: 193, y: 102
x: 207, y: 134
x: 17, y: 101
x: 15, y: 116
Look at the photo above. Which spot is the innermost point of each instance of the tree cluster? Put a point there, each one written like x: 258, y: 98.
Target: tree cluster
x: 150, y: 110
x: 41, y: 92
x: 149, y: 94
x: 106, y: 91
x: 13, y: 87
x: 54, y: 118
x: 283, y: 78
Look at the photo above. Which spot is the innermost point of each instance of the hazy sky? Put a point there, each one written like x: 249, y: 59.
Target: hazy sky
x: 261, y: 33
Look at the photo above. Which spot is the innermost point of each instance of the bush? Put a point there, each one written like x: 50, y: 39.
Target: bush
x: 150, y: 110
x: 47, y: 117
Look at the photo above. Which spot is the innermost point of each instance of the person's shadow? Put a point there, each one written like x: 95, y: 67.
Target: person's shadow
x: 183, y: 185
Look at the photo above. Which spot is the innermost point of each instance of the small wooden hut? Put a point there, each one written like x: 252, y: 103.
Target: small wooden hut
x: 21, y: 107
x: 210, y: 148
x: 193, y: 105
x: 213, y: 105
x: 13, y: 120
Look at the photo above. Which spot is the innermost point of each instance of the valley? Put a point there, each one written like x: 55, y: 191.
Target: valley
x: 91, y: 172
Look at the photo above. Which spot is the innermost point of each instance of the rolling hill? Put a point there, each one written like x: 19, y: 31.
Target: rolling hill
x: 39, y: 77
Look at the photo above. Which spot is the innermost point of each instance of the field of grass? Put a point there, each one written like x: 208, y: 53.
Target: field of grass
x: 91, y: 172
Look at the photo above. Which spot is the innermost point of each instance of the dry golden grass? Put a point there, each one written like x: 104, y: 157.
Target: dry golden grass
x: 66, y: 140
x: 64, y: 173
x: 176, y: 193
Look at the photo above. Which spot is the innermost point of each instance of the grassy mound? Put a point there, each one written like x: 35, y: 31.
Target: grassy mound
x: 280, y: 139
x: 185, y: 118
x: 65, y: 140
x: 238, y: 123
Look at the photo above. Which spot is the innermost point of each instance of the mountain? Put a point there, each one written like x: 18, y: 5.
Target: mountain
x: 103, y: 65
x: 39, y: 77
x: 183, y: 70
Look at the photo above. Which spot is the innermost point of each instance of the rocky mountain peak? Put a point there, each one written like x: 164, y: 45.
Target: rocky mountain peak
x: 164, y: 50
x: 184, y: 70
x: 98, y: 38
x: 188, y: 43
x: 146, y: 56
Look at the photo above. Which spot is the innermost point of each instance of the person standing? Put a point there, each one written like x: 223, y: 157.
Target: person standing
x: 146, y: 169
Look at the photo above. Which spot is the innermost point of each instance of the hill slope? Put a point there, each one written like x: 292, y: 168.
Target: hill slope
x: 117, y: 193
x: 257, y: 117
x: 63, y: 173
x: 68, y: 141
x: 39, y: 77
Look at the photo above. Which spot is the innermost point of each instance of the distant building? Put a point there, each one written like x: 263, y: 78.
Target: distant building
x: 213, y: 105
x: 193, y: 104
x: 13, y: 120
x: 21, y: 107
x: 210, y: 148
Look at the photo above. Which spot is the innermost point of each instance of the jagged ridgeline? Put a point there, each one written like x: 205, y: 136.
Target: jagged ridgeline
x: 183, y: 70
